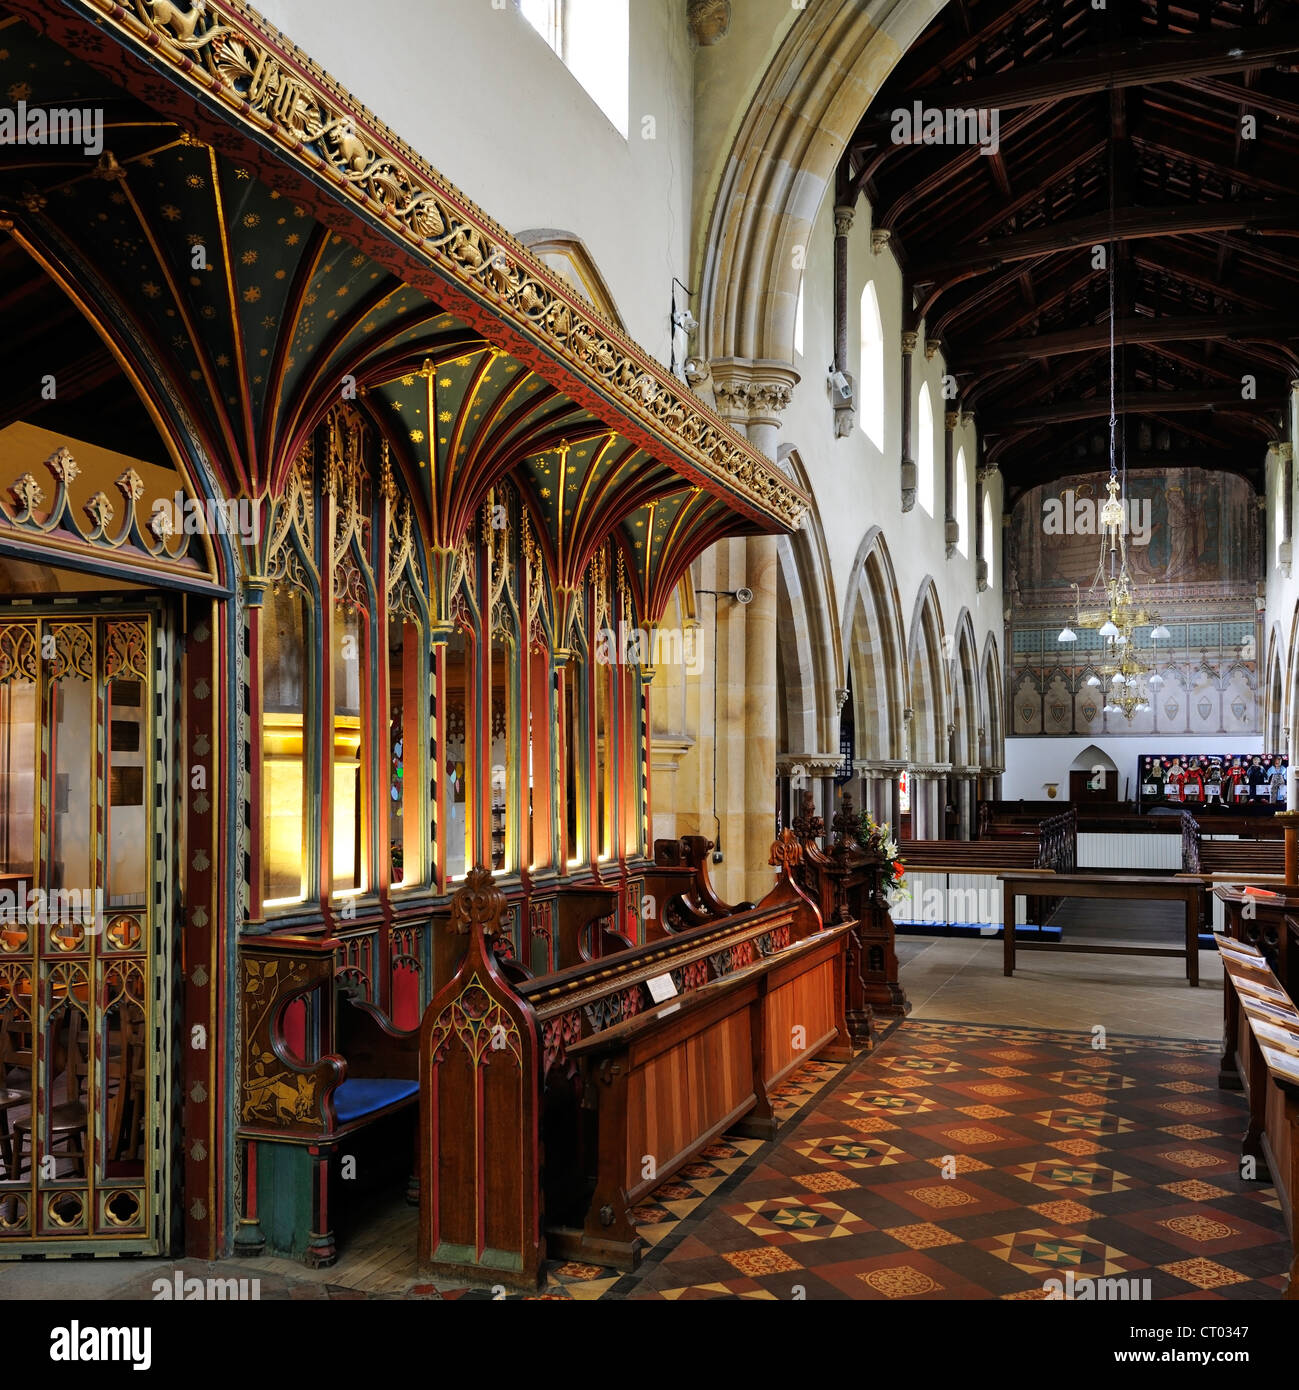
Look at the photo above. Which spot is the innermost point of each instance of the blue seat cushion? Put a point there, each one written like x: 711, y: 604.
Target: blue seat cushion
x: 354, y: 1100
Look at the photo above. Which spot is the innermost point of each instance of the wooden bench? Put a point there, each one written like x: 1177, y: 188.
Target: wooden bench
x: 1261, y: 1055
x: 980, y: 862
x: 537, y: 1132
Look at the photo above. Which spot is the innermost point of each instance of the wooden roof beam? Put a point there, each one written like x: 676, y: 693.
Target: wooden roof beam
x: 1186, y: 328
x: 1128, y: 62
x: 1127, y: 224
x: 1134, y: 403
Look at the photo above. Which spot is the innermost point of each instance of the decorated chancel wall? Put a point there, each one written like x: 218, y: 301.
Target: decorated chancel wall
x: 1193, y: 547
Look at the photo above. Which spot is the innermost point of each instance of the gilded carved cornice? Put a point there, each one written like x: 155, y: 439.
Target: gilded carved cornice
x: 227, y: 56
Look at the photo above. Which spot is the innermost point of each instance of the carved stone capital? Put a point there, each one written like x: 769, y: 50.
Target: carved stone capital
x: 951, y: 418
x: 880, y: 239
x: 843, y: 216
x: 986, y: 471
x: 981, y: 579
x: 932, y: 346
x: 753, y: 392
x: 1280, y: 452
x: 909, y: 341
x: 840, y: 699
x: 709, y: 20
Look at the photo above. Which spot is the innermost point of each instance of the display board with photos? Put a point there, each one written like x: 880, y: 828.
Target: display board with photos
x: 1213, y: 781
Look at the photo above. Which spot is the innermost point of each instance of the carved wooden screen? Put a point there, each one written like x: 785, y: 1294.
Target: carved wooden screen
x: 82, y: 931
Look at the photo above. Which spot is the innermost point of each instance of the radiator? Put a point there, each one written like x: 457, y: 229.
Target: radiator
x: 1135, y: 853
x: 938, y: 899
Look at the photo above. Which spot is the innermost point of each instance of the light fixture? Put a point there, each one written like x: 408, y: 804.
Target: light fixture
x: 1118, y: 618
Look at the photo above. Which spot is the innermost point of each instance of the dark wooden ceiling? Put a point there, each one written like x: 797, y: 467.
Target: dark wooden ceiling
x: 1123, y: 126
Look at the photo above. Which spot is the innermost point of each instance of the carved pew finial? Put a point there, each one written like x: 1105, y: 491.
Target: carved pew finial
x: 479, y: 903
x: 786, y: 853
x: 807, y: 824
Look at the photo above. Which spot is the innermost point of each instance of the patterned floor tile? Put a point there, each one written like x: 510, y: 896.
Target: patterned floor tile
x: 849, y: 1151
x: 969, y: 1161
x: 1061, y: 1176
x: 1053, y: 1249
x: 795, y: 1220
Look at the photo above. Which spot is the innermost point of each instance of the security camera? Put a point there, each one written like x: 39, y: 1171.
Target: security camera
x: 744, y: 595
x: 841, y: 388
x: 685, y: 321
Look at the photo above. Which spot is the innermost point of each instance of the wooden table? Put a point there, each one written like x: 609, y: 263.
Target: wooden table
x: 1116, y: 887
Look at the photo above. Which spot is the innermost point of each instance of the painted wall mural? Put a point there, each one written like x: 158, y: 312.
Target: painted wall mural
x: 1194, y: 545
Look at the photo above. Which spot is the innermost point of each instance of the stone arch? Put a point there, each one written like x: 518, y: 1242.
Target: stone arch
x: 808, y: 655
x: 1274, y: 696
x: 205, y: 488
x: 927, y: 672
x: 781, y: 163
x: 967, y: 713
x: 992, y: 742
x: 874, y: 644
x: 566, y: 254
x: 1291, y: 710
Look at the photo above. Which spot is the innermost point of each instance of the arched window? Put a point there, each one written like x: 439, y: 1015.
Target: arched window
x: 872, y: 367
x: 989, y: 541
x: 961, y: 504
x: 592, y: 39
x: 925, y: 451
x: 1280, y: 502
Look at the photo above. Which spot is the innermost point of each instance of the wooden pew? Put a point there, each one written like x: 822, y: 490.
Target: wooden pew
x: 297, y: 1111
x: 846, y: 883
x: 1261, y: 1055
x: 528, y: 1114
x: 977, y: 859
x: 1258, y: 916
x: 682, y: 888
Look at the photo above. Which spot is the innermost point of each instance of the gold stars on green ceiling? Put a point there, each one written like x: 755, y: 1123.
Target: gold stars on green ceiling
x: 417, y: 436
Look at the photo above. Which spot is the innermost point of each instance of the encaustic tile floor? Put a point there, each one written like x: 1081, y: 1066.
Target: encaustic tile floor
x: 955, y: 1161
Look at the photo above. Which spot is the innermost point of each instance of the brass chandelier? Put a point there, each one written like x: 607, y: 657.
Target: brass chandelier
x: 1122, y: 616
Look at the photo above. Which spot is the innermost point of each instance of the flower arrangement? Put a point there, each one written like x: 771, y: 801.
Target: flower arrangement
x: 875, y: 839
